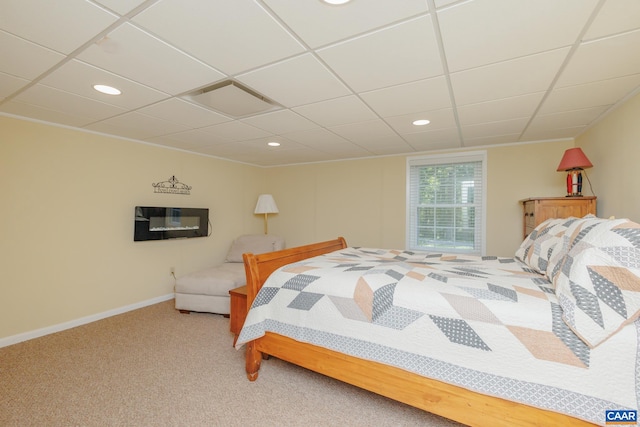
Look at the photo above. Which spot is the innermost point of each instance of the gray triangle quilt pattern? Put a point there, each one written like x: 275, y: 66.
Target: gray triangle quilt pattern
x: 493, y: 321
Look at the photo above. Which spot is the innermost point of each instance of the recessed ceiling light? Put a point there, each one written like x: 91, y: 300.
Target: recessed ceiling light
x: 273, y: 144
x: 336, y: 1
x: 421, y: 122
x: 107, y: 89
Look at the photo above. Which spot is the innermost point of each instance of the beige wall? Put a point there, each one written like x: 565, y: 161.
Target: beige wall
x: 54, y: 177
x: 613, y: 146
x: 364, y: 200
x: 361, y: 200
x: 68, y: 198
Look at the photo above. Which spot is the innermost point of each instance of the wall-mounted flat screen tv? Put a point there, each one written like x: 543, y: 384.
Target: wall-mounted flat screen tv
x: 160, y: 223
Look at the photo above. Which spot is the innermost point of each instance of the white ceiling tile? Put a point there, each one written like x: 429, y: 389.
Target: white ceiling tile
x: 423, y: 95
x: 232, y: 36
x: 10, y: 84
x: 162, y: 67
x: 318, y: 23
x: 603, y: 59
x: 233, y: 155
x: 235, y: 131
x: 43, y: 114
x: 538, y: 133
x: 322, y: 139
x: 444, y: 3
x: 292, y: 156
x: 506, y: 79
x: 375, y: 136
x: 123, y: 132
x: 257, y: 152
x: 500, y: 109
x: 567, y: 119
x: 343, y: 150
x: 439, y: 119
x: 315, y: 137
x: 297, y: 81
x: 337, y: 111
x: 383, y: 148
x: 494, y: 129
x: 185, y: 113
x: 140, y: 125
x: 169, y: 141
x: 271, y: 157
x: 55, y: 99
x: 477, y: 33
x: 491, y: 140
x: 262, y: 144
x: 79, y: 78
x: 191, y: 139
x: 280, y: 122
x: 439, y: 139
x: 121, y: 6
x: 22, y: 58
x: 603, y: 92
x: 60, y: 25
x: 233, y: 150
x: 321, y: 156
x: 390, y: 59
x: 616, y: 16
x: 347, y: 80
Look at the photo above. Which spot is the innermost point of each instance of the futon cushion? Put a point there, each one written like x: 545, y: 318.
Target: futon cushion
x: 212, y: 281
x: 535, y: 251
x: 598, y: 282
x: 254, y: 243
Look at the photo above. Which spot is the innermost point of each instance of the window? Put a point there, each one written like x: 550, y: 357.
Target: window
x: 446, y: 202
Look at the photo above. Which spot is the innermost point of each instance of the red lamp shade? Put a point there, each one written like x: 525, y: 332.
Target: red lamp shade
x: 573, y: 162
x: 574, y: 158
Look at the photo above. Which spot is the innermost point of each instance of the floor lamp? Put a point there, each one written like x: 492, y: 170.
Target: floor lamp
x: 266, y: 205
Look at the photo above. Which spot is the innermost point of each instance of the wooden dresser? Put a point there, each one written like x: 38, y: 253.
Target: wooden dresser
x: 538, y: 209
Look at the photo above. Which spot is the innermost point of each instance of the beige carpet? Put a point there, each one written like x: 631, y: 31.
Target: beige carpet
x: 157, y: 367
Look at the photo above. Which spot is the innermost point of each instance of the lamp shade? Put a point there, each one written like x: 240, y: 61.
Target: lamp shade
x: 574, y: 158
x: 266, y: 204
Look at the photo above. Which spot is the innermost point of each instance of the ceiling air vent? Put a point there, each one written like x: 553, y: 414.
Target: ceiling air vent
x: 231, y: 98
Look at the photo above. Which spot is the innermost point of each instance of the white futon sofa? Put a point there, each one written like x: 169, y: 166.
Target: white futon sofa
x: 208, y: 290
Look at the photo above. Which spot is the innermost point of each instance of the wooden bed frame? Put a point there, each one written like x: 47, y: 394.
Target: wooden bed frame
x: 434, y: 396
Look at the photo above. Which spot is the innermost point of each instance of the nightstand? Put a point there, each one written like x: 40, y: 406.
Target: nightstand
x: 539, y: 209
x: 238, y: 311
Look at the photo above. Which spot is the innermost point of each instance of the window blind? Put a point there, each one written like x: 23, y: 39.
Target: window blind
x: 445, y: 203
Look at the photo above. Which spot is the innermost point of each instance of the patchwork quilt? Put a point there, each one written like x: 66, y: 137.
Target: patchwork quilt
x: 489, y: 324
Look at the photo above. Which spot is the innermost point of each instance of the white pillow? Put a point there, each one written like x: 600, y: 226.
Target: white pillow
x: 535, y: 251
x: 562, y: 248
x: 598, y: 281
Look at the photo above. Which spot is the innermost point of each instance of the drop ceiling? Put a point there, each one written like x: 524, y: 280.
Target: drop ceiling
x: 342, y: 81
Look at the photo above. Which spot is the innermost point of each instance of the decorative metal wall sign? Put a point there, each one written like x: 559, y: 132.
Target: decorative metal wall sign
x: 171, y: 186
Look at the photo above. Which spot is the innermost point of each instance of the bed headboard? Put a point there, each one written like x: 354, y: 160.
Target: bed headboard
x: 259, y: 267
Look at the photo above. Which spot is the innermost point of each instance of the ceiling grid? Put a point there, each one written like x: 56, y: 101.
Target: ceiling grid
x: 340, y: 82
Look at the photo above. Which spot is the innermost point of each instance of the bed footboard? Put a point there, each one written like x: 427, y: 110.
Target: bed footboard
x: 446, y: 400
x: 259, y: 267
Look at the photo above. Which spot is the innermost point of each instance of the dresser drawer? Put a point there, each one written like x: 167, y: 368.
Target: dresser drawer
x: 539, y: 209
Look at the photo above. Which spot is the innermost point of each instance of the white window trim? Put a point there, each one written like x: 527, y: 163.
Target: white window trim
x: 442, y: 159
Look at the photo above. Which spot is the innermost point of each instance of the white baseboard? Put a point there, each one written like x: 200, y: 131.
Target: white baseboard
x: 14, y: 339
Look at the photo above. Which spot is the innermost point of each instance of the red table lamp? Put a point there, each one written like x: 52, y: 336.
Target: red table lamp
x: 574, y: 161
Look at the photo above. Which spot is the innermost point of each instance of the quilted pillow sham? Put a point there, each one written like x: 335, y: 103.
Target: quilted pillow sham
x: 574, y: 227
x: 598, y: 281
x: 535, y: 251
